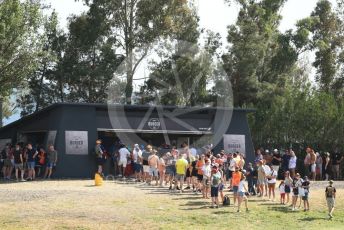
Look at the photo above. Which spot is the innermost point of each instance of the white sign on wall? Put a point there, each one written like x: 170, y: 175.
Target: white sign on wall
x: 234, y: 143
x: 76, y: 142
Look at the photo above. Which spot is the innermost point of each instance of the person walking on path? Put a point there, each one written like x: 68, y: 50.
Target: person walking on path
x: 330, y: 194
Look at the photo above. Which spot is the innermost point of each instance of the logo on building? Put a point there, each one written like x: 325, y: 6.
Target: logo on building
x: 154, y: 123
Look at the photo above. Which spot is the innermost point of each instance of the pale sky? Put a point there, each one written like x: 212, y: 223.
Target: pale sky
x: 214, y: 15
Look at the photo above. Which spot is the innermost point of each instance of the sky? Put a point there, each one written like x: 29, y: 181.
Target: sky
x: 214, y: 15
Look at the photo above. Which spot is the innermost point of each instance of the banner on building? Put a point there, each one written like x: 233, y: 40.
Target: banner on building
x: 234, y: 143
x: 76, y: 142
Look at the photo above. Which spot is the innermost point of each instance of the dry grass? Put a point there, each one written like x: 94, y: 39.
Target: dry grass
x: 77, y: 204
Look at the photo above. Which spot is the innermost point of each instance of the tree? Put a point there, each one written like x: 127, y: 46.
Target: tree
x: 324, y: 26
x: 136, y: 24
x: 19, y: 23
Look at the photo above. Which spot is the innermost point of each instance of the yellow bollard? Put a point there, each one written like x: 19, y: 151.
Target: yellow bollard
x: 98, y: 180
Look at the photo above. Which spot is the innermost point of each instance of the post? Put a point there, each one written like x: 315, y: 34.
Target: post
x: 1, y: 111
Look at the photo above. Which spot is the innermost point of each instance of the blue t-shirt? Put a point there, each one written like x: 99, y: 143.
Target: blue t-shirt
x: 30, y: 154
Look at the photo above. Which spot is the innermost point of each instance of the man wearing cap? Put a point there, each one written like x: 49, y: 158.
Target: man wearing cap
x: 276, y: 160
x: 330, y: 194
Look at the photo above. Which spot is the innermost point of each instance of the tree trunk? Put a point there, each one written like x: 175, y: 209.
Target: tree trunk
x: 129, y: 72
x: 1, y: 111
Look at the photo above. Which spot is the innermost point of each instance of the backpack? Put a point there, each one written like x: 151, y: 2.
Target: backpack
x: 329, y: 191
x: 226, y: 200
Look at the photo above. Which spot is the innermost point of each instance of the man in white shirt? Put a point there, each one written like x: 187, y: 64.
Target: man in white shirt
x: 193, y: 151
x: 137, y: 158
x: 123, y: 156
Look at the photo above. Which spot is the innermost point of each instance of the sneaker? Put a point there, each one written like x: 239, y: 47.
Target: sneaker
x: 188, y: 187
x: 170, y: 188
x: 216, y: 206
x: 293, y: 209
x: 22, y: 180
x: 178, y: 188
x: 246, y: 209
x: 238, y: 210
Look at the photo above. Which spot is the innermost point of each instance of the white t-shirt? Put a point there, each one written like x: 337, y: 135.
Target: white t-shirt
x: 267, y: 170
x: 241, y: 186
x: 232, y: 165
x: 123, y: 154
x: 272, y: 173
x: 292, y: 162
x: 206, y: 169
x: 282, y: 188
x: 137, y: 155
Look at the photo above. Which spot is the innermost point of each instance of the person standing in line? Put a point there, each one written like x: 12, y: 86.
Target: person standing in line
x: 272, y: 182
x: 337, y: 159
x: 206, y: 171
x: 18, y: 162
x: 305, y: 186
x: 162, y: 170
x: 288, y: 181
x: 153, y: 161
x: 237, y: 175
x: 261, y: 178
x: 330, y: 194
x: 99, y: 156
x: 31, y: 155
x: 145, y: 155
x: 313, y: 158
x: 319, y: 165
x: 241, y: 193
x: 307, y: 161
x: 297, y: 183
x: 170, y: 169
x: 123, y: 159
x: 285, y: 161
x: 327, y: 166
x: 181, y: 166
x: 276, y: 160
x: 281, y: 189
x: 292, y: 163
x: 215, y: 181
x: 51, y: 161
x: 199, y: 166
x: 137, y: 158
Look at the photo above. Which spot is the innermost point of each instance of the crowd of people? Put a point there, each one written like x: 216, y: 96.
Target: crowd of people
x: 209, y: 174
x: 26, y: 162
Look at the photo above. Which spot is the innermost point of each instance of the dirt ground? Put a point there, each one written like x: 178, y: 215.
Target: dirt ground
x: 78, y: 204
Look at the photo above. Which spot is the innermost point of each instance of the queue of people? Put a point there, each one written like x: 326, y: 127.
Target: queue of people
x: 211, y: 174
x: 26, y: 163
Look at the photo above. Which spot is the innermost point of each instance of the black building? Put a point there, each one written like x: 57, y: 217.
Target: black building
x: 73, y: 129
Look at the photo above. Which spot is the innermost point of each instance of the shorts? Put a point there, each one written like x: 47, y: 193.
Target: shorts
x: 305, y: 197
x: 313, y: 167
x: 146, y: 168
x: 241, y: 194
x: 235, y: 189
x: 188, y: 173
x: 330, y: 202
x: 295, y: 192
x: 221, y: 187
x: 271, y: 185
x: 214, y: 191
x: 137, y: 167
x: 169, y: 170
x: 180, y: 177
x: 205, y: 182
x: 261, y: 181
x: 123, y: 162
x: 287, y: 189
x: 30, y: 164
x: 100, y: 161
x: 7, y: 163
x: 200, y: 177
x: 153, y: 171
x: 19, y: 166
x: 50, y: 165
x: 282, y: 195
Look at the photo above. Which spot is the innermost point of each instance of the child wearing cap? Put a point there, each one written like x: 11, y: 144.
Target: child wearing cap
x: 330, y: 194
x: 281, y: 188
x: 305, y: 186
x: 215, y: 179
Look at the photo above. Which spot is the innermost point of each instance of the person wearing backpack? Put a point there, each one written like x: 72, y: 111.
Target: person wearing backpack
x: 215, y: 180
x: 330, y: 193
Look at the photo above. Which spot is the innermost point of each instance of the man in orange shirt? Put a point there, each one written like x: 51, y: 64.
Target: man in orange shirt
x: 236, y: 177
x: 199, y: 166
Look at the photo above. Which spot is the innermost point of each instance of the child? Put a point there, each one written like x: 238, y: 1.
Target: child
x: 305, y: 186
x: 241, y: 192
x: 215, y: 182
x: 282, y: 192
